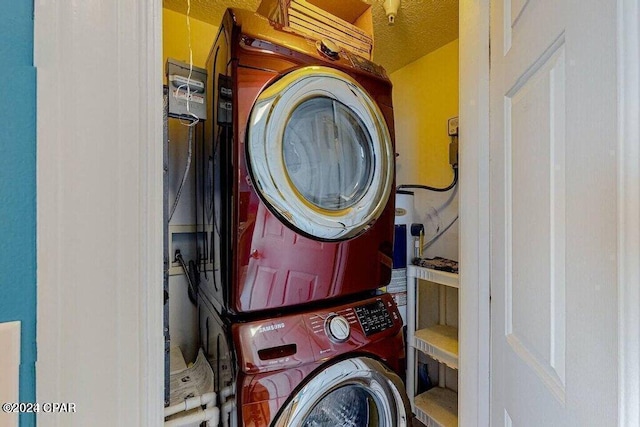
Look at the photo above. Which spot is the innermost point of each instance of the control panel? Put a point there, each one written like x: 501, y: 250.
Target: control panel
x: 374, y: 317
x: 298, y: 339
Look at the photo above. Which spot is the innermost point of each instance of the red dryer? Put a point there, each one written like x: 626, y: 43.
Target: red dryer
x: 295, y: 190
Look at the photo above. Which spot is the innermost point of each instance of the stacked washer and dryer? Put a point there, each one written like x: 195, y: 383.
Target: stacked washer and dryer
x: 296, y: 201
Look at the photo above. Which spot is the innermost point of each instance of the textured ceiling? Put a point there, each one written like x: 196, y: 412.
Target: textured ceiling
x: 421, y: 26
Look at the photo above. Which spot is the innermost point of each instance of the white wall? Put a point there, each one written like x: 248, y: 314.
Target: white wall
x: 425, y: 94
x: 183, y: 316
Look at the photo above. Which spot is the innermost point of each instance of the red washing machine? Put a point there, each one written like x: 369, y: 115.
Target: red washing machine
x: 296, y: 172
x: 335, y: 366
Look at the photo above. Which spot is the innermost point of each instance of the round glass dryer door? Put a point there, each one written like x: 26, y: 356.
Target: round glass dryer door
x: 320, y: 153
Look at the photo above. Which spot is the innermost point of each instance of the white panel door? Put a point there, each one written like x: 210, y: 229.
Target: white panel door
x: 553, y: 213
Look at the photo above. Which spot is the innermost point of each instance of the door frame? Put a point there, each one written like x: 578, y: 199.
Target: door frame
x: 139, y: 37
x: 628, y: 59
x: 474, y: 327
x: 100, y: 161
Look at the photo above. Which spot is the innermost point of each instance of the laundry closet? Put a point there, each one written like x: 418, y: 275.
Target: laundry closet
x: 220, y: 199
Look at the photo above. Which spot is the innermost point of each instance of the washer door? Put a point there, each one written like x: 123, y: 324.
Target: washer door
x: 354, y: 392
x: 320, y: 153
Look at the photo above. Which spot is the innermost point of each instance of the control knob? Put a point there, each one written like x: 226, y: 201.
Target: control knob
x: 337, y: 328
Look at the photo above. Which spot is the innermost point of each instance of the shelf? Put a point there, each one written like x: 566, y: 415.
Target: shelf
x: 440, y: 342
x: 437, y: 407
x: 435, y: 276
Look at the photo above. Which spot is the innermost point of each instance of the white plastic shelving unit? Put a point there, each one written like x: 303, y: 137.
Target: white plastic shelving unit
x: 437, y: 407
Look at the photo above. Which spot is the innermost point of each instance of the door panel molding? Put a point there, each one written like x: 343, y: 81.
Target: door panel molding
x: 507, y: 419
x: 513, y: 11
x: 535, y: 291
x: 535, y: 67
x: 542, y: 369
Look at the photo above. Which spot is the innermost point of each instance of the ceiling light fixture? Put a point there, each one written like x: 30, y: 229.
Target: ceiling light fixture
x: 391, y: 9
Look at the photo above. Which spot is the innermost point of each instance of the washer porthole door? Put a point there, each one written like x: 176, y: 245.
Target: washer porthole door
x: 359, y: 391
x: 320, y: 153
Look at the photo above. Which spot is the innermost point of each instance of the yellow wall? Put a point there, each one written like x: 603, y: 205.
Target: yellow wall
x: 425, y: 96
x: 175, y: 41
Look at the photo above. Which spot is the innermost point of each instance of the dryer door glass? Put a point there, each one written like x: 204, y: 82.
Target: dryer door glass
x: 328, y: 153
x: 320, y: 154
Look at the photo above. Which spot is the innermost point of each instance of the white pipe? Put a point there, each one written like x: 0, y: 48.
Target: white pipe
x: 207, y: 399
x: 226, y: 392
x: 210, y: 415
x: 227, y: 409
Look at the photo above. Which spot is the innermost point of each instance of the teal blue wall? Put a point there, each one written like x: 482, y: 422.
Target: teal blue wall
x: 18, y: 185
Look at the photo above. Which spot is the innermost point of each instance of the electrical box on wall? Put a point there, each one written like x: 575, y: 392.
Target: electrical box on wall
x: 452, y: 125
x: 187, y: 91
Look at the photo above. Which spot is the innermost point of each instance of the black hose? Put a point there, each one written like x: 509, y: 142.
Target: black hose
x: 426, y: 187
x: 192, y: 291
